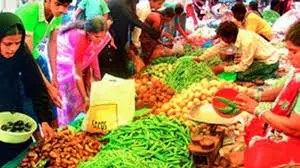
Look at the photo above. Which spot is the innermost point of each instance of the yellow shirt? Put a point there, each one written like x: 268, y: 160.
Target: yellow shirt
x: 250, y: 46
x: 256, y: 24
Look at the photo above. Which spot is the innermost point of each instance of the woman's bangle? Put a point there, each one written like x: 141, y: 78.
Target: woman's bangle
x: 261, y: 113
x: 257, y: 94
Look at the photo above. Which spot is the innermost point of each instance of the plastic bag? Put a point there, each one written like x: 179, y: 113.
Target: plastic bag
x: 112, y: 104
x: 270, y: 16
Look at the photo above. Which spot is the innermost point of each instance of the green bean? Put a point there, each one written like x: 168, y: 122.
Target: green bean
x: 225, y: 110
x: 235, y: 111
x: 150, y: 140
x: 186, y: 73
x: 226, y: 101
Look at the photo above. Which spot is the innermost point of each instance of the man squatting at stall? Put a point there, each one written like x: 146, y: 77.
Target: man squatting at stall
x: 258, y: 58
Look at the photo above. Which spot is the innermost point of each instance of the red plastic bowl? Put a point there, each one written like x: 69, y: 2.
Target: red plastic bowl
x: 229, y: 94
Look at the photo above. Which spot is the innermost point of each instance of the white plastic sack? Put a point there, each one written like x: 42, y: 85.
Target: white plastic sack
x: 112, y: 103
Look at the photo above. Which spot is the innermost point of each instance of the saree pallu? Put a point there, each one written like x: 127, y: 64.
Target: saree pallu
x: 266, y: 147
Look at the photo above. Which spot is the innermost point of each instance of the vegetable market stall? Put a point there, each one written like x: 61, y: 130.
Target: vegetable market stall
x: 159, y: 135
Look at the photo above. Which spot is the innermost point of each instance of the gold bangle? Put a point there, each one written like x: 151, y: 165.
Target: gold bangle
x: 259, y: 109
x: 261, y: 113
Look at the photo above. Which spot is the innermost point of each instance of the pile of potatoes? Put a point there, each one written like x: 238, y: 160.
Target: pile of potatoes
x: 197, y: 94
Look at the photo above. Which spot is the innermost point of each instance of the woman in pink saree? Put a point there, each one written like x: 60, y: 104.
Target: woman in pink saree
x: 77, y: 60
x: 273, y: 136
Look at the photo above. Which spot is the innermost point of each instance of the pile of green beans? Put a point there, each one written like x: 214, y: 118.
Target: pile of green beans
x: 189, y: 50
x: 121, y: 159
x: 213, y: 61
x: 167, y: 60
x: 186, y: 73
x: 152, y: 141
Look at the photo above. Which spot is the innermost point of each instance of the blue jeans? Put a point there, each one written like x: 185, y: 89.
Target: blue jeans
x: 27, y: 105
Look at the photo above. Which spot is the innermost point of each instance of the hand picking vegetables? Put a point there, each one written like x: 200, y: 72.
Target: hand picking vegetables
x: 197, y: 52
x: 231, y: 107
x: 213, y: 61
x: 151, y: 139
x: 195, y: 40
x: 152, y: 92
x: 18, y: 126
x: 186, y: 73
x: 64, y: 150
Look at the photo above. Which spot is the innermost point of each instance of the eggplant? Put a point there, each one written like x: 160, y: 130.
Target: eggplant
x: 19, y: 123
x: 10, y: 123
x: 4, y: 127
x: 27, y: 125
x: 13, y: 130
x: 27, y: 130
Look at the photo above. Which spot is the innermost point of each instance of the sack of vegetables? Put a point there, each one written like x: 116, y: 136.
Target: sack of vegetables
x: 16, y: 127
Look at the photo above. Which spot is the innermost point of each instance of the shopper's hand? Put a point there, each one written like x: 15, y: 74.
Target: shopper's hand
x: 54, y: 82
x: 47, y: 131
x: 109, y: 23
x: 250, y: 94
x: 55, y: 96
x: 134, y: 50
x: 245, y: 103
x: 112, y: 43
x: 217, y: 69
x: 86, y: 105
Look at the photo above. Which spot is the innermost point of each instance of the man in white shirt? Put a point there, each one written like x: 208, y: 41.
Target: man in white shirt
x: 259, y: 59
